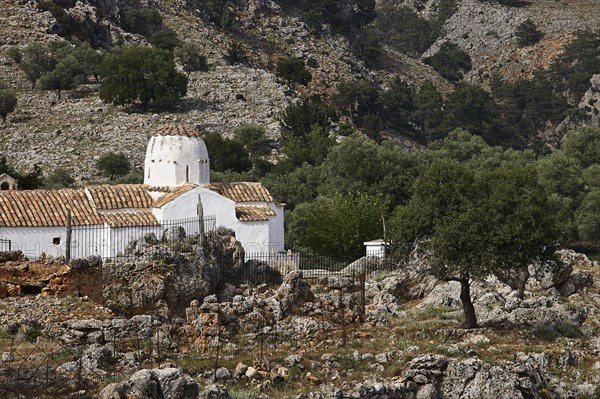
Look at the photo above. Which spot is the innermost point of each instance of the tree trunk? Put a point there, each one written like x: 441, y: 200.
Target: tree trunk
x: 468, y: 308
x: 523, y: 277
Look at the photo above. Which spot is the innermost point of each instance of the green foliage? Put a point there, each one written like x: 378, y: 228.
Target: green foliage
x: 338, y: 225
x: 8, y: 103
x: 528, y: 34
x: 226, y: 154
x: 252, y: 137
x: 190, y: 59
x: 144, y: 22
x: 66, y: 75
x: 293, y: 70
x: 428, y: 114
x: 368, y: 48
x: 134, y: 176
x: 345, y: 17
x: 235, y: 54
x: 450, y: 61
x: 572, y: 69
x: 587, y: 217
x: 471, y: 108
x: 36, y: 61
x: 470, y: 222
x: 357, y: 99
x: 15, y: 54
x: 60, y: 178
x: 138, y: 73
x: 166, y: 39
x: 583, y: 145
x: 398, y: 106
x: 61, y: 16
x: 113, y: 165
x: 404, y: 31
x: 526, y: 105
x: 296, y: 187
x: 220, y: 12
x: 305, y: 130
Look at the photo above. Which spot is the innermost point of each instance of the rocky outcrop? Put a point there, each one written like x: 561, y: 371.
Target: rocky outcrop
x: 155, y: 277
x: 169, y: 383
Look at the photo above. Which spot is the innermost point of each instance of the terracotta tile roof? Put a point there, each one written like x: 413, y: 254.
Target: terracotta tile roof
x: 124, y: 219
x: 176, y: 130
x: 242, y: 192
x: 173, y: 194
x: 120, y: 196
x: 253, y: 213
x: 36, y: 208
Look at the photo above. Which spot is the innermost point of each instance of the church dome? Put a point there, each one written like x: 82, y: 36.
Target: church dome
x: 176, y: 155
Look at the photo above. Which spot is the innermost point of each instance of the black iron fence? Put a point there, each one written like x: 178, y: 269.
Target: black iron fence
x: 270, y: 267
x: 134, y: 240
x: 35, y: 366
x: 5, y: 245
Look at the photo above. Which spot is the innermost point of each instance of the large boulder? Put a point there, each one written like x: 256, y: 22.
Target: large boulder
x: 169, y: 383
x: 293, y: 293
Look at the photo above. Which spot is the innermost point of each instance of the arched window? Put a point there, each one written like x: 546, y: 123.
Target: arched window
x: 5, y: 186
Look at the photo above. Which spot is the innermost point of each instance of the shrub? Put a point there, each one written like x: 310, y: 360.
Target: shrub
x: 293, y: 70
x: 8, y: 103
x: 528, y: 34
x: 142, y: 21
x: 235, y: 54
x: 113, y: 165
x: 450, y: 61
x: 166, y: 39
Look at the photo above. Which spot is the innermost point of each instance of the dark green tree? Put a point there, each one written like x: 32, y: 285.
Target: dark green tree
x: 66, y: 75
x: 60, y: 178
x: 357, y: 99
x: 166, y: 39
x: 471, y: 108
x: 293, y: 70
x: 226, y: 154
x: 587, y: 217
x: 138, y: 73
x: 36, y: 61
x: 305, y: 132
x: 62, y: 17
x: 8, y: 103
x: 471, y: 224
x: 583, y: 145
x: 428, y: 112
x: 450, y: 61
x: 235, y: 54
x: 252, y: 137
x: 113, y: 165
x: 397, y: 103
x: 190, y: 59
x: 142, y: 21
x: 528, y: 34
x: 339, y: 225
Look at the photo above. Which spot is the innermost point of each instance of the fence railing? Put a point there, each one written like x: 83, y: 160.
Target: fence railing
x: 5, y: 245
x: 270, y: 267
x: 43, y: 367
x: 176, y: 236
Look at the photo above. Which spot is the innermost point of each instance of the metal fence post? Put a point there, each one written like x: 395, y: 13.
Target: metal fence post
x: 68, y: 239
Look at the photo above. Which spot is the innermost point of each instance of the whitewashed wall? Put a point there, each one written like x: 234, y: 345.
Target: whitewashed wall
x: 32, y: 241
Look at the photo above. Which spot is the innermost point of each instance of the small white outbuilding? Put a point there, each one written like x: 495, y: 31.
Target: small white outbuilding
x: 106, y: 217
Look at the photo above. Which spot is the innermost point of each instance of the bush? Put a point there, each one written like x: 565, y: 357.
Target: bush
x: 61, y: 16
x: 450, y: 61
x: 166, y: 39
x: 528, y: 34
x: 293, y: 70
x: 139, y: 73
x: 142, y: 21
x: 8, y: 103
x: 113, y: 165
x: 235, y: 54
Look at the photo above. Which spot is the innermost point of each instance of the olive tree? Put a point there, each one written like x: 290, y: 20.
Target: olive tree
x: 471, y: 223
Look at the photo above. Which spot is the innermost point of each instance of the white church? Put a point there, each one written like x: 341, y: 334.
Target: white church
x: 176, y: 183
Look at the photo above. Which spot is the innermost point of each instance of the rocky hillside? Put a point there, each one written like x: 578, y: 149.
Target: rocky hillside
x: 306, y: 338
x: 73, y: 132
